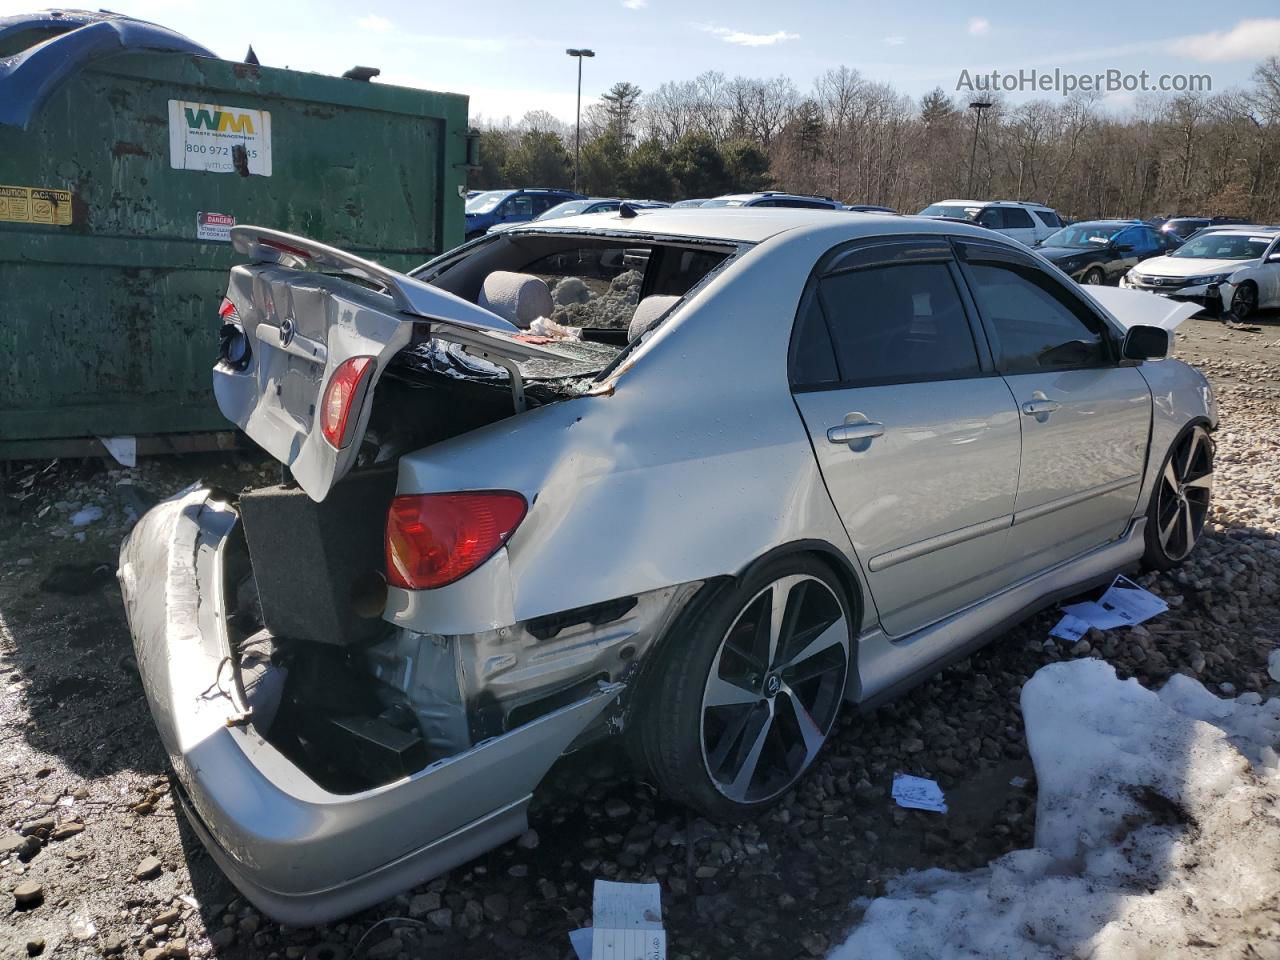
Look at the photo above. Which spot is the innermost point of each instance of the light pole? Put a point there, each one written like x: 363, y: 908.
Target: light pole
x: 977, y: 107
x: 577, y: 126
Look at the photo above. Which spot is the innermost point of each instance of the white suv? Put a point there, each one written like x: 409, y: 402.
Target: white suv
x: 1027, y: 222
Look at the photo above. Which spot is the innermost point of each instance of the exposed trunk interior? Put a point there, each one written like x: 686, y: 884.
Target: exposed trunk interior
x: 352, y: 700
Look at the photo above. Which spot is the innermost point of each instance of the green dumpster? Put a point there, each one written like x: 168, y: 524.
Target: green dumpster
x: 119, y: 181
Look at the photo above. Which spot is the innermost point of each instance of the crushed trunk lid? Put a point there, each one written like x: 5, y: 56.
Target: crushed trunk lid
x: 300, y: 325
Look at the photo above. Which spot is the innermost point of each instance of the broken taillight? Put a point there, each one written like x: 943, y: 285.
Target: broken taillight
x: 233, y: 345
x: 434, y: 539
x: 341, y: 398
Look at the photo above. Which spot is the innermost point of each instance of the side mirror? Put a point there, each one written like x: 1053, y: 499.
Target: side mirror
x: 1145, y: 343
x: 1274, y: 258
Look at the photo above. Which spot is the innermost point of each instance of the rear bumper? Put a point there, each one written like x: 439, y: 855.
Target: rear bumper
x: 301, y: 854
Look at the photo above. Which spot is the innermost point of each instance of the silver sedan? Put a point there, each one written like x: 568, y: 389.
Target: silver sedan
x: 694, y: 481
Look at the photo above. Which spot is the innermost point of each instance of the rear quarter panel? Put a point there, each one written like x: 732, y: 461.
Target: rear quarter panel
x: 690, y: 462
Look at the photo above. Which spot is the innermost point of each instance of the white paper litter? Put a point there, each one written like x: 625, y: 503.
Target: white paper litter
x: 1157, y: 835
x: 86, y: 516
x: 626, y: 924
x: 918, y: 793
x: 1123, y: 605
x: 580, y: 940
x: 124, y: 450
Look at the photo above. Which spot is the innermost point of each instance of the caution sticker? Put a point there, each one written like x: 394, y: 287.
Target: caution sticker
x: 35, y: 205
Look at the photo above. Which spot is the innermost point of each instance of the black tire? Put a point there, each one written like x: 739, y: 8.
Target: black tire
x: 1244, y: 302
x: 673, y: 719
x: 1180, y: 500
x: 1094, y: 277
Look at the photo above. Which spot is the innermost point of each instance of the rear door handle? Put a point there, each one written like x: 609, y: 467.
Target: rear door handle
x: 853, y: 432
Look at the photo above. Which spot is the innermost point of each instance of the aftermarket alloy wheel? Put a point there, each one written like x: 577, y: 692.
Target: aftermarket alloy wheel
x: 1180, y: 500
x: 742, y: 706
x: 1093, y: 277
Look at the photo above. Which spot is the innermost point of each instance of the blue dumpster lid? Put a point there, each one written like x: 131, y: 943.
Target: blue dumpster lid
x: 29, y: 76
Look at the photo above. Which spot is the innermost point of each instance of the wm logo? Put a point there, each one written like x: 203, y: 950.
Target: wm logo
x: 219, y: 120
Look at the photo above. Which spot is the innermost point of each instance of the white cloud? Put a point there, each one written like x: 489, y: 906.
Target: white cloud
x: 374, y: 24
x: 635, y: 4
x: 979, y: 27
x: 743, y: 39
x: 1247, y: 40
x: 894, y: 41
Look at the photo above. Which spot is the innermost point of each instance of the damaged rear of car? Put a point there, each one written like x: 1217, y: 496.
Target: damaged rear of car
x: 347, y: 693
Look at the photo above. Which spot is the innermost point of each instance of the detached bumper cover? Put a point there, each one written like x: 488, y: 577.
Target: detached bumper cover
x: 301, y: 854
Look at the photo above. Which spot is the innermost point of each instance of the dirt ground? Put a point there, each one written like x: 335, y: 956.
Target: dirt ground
x: 88, y: 818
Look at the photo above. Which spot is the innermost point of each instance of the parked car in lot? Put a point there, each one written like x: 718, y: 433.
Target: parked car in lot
x: 1026, y: 222
x: 1101, y: 251
x: 773, y: 198
x: 491, y: 207
x: 1228, y: 270
x: 573, y: 208
x: 790, y: 460
x: 1217, y: 228
x: 695, y: 202
x: 1183, y: 227
x: 868, y: 208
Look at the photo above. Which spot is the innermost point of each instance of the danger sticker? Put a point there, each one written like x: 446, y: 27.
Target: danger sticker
x: 222, y: 139
x: 35, y: 205
x: 214, y: 226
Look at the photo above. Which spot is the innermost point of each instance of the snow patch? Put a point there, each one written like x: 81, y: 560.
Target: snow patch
x: 1157, y: 835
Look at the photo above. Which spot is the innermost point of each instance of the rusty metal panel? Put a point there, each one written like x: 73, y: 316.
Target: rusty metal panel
x: 110, y: 308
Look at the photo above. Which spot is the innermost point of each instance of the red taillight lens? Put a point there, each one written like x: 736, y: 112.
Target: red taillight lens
x: 341, y: 398
x: 227, y: 309
x: 434, y: 539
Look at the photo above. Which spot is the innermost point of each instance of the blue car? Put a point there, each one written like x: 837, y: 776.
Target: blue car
x: 493, y: 207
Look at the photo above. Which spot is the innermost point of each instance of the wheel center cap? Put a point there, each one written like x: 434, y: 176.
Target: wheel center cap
x: 772, y: 685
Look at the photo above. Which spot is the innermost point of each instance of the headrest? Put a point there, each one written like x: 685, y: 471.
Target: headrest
x: 647, y: 313
x: 520, y: 298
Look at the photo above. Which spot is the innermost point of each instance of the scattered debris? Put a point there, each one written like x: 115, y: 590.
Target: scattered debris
x: 918, y: 793
x: 87, y: 515
x: 1125, y: 604
x: 627, y: 923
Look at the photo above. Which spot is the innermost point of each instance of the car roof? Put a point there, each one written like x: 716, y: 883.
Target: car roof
x: 1244, y: 231
x: 1110, y: 221
x: 991, y: 203
x: 750, y: 225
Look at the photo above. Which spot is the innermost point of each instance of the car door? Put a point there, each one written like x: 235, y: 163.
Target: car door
x: 1269, y: 276
x: 916, y: 437
x: 516, y: 209
x: 1127, y: 248
x: 1085, y: 415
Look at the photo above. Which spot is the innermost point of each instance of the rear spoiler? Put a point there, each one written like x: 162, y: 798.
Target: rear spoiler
x: 263, y: 245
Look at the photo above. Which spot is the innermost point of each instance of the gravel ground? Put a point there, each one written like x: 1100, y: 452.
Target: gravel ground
x: 94, y: 860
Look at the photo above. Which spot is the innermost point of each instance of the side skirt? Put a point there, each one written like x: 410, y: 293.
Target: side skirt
x: 888, y: 668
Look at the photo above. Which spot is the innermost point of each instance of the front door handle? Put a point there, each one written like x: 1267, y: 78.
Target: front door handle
x: 1034, y: 407
x: 1040, y: 406
x: 853, y: 432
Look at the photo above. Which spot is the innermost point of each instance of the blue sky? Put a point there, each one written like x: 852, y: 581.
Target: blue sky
x: 509, y: 57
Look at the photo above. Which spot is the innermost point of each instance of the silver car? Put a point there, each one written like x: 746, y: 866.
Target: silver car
x: 693, y: 480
